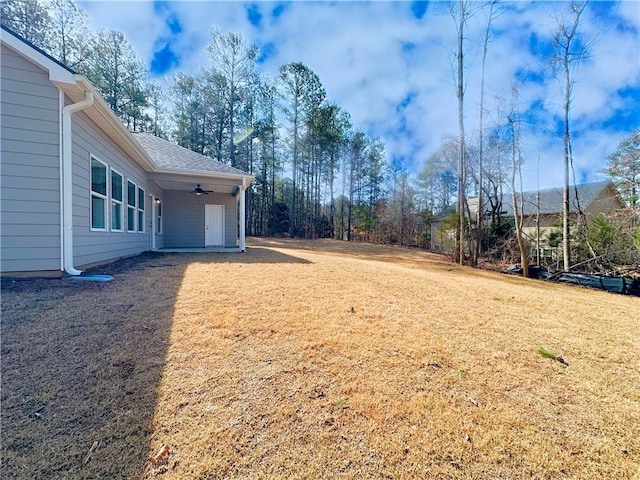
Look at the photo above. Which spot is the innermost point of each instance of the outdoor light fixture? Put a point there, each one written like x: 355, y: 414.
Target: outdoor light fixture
x: 157, y: 201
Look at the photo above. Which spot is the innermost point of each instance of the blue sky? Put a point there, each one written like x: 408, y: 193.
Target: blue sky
x: 388, y: 64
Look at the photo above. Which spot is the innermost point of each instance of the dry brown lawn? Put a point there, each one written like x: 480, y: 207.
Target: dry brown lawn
x: 317, y: 359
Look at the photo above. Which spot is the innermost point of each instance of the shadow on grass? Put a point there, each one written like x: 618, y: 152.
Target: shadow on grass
x: 81, y: 366
x: 82, y: 363
x: 251, y: 256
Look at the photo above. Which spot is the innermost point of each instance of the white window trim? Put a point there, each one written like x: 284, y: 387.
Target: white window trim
x: 139, y: 191
x: 134, y: 207
x: 113, y: 200
x: 107, y: 205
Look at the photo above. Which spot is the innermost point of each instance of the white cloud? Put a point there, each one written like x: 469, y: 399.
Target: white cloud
x: 372, y: 56
x: 137, y: 20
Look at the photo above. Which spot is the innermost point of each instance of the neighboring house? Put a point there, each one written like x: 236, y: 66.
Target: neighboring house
x: 546, y: 205
x: 77, y: 188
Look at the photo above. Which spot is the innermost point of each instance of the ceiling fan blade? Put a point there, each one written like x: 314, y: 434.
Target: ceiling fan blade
x: 199, y: 190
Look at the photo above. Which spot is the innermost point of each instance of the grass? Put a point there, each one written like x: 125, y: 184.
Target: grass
x: 318, y: 359
x: 546, y: 353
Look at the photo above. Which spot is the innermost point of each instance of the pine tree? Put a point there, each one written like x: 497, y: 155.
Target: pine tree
x: 29, y: 19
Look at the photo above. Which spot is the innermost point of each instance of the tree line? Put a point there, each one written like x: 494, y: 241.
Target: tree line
x: 316, y: 174
x: 487, y: 164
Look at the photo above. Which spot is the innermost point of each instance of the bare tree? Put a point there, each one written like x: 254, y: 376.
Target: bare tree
x: 460, y: 16
x: 461, y: 11
x: 480, y: 209
x: 568, y: 51
x: 438, y: 177
x: 513, y: 118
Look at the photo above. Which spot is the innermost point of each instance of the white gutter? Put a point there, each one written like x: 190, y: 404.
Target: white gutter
x: 67, y: 182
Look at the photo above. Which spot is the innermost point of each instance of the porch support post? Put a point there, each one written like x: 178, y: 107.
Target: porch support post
x: 154, y: 216
x: 243, y: 220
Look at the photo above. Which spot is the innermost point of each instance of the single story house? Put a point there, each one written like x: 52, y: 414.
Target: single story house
x: 77, y: 188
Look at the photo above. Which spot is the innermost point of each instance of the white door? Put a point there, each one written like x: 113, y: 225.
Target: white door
x: 213, y: 225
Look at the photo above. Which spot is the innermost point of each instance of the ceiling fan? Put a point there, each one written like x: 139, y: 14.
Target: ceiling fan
x: 200, y: 191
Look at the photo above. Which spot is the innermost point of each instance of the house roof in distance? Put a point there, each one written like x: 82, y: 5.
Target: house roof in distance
x: 551, y: 198
x: 169, y: 156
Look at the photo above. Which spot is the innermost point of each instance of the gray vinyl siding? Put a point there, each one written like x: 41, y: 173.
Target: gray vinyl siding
x: 96, y: 246
x: 30, y: 180
x: 184, y: 218
x: 230, y: 220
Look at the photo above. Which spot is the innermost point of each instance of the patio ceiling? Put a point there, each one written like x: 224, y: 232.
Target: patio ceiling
x: 188, y: 183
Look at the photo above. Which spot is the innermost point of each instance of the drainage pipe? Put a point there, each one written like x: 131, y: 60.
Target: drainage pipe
x: 66, y: 174
x: 243, y: 215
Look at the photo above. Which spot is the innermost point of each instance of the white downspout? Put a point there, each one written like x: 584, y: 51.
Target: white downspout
x: 243, y: 246
x: 67, y: 182
x: 61, y: 186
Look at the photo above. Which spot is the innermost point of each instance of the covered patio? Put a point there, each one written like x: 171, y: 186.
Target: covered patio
x: 202, y: 206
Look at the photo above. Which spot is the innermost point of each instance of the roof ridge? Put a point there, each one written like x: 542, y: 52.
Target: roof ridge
x: 555, y: 189
x: 578, y: 185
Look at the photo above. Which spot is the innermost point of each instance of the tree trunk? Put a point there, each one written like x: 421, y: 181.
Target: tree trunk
x: 292, y: 210
x: 518, y: 207
x: 566, y: 245
x: 461, y: 141
x: 332, y: 206
x: 567, y: 54
x: 480, y: 212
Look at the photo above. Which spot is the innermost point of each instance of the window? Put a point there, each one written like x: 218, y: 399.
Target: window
x: 159, y: 215
x: 107, y: 202
x: 131, y: 206
x: 140, y: 210
x: 116, y: 201
x: 98, y: 195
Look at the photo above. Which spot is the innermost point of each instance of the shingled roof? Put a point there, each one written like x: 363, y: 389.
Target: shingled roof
x: 167, y: 155
x: 551, y: 199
